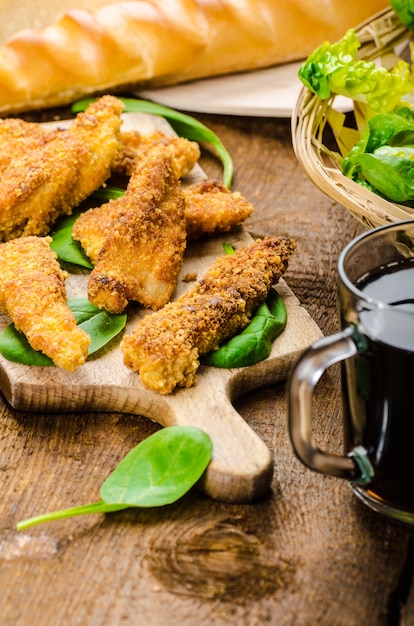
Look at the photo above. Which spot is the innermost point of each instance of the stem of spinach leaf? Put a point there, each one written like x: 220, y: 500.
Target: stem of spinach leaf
x: 184, y: 125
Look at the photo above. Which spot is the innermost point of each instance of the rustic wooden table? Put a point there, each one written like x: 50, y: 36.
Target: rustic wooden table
x: 308, y: 553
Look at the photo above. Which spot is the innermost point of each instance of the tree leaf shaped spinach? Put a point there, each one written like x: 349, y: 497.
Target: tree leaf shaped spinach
x: 157, y: 472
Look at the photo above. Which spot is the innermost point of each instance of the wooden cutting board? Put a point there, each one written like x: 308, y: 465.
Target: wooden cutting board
x: 242, y: 465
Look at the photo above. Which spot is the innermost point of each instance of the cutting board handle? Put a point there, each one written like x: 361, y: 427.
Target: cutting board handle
x: 241, y: 469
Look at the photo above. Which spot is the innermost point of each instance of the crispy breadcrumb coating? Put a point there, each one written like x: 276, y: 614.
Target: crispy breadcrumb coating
x: 143, y: 247
x: 42, y: 184
x: 33, y: 295
x: 18, y: 137
x: 165, y: 346
x: 136, y: 145
x: 211, y: 208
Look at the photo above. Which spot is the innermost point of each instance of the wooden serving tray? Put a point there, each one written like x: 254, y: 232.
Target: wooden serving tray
x: 242, y: 465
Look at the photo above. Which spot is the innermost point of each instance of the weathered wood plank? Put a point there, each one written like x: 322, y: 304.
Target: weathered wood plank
x: 306, y: 554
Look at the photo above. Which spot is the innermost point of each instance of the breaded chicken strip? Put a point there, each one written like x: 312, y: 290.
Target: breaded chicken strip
x: 50, y: 181
x: 33, y: 295
x: 136, y: 145
x: 18, y: 137
x: 165, y: 346
x: 211, y: 208
x: 143, y: 247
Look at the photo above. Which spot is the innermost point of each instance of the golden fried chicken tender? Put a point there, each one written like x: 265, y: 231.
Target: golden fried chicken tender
x: 211, y: 208
x: 143, y: 246
x: 136, y: 145
x: 165, y: 346
x: 50, y: 181
x: 18, y: 137
x: 33, y: 295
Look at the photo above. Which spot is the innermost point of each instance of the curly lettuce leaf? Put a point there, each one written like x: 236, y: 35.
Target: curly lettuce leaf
x: 333, y: 69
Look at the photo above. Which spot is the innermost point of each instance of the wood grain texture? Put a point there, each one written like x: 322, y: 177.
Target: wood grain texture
x: 307, y: 553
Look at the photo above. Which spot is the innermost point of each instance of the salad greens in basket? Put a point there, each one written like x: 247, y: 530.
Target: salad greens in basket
x: 382, y: 157
x: 405, y: 11
x: 333, y: 69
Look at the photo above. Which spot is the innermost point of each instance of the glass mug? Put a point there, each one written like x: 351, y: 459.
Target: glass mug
x: 376, y: 349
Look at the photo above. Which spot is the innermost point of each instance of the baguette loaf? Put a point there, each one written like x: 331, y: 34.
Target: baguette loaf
x: 96, y: 46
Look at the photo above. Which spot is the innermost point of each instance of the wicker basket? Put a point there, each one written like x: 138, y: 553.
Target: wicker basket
x: 381, y: 37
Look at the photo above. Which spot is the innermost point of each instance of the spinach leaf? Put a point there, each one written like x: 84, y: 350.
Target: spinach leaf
x: 254, y: 343
x: 184, y: 125
x: 100, y: 325
x: 228, y: 248
x: 382, y: 160
x: 157, y: 472
x: 66, y: 248
x: 15, y: 347
x: 389, y: 171
x: 161, y: 469
x: 108, y: 193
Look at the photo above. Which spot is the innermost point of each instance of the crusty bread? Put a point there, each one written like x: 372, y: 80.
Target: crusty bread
x: 101, y: 45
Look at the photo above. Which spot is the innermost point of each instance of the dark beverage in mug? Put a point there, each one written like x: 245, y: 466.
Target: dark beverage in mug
x: 376, y: 349
x: 382, y: 387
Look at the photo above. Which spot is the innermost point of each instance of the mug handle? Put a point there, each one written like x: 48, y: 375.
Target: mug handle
x: 307, y: 371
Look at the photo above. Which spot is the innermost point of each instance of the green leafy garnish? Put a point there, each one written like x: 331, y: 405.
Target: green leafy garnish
x: 228, y: 248
x: 405, y: 11
x: 254, y: 343
x: 184, y: 125
x: 100, y: 325
x: 333, y: 69
x: 66, y: 248
x: 157, y: 472
x: 108, y: 193
x: 383, y: 158
x: 15, y: 347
